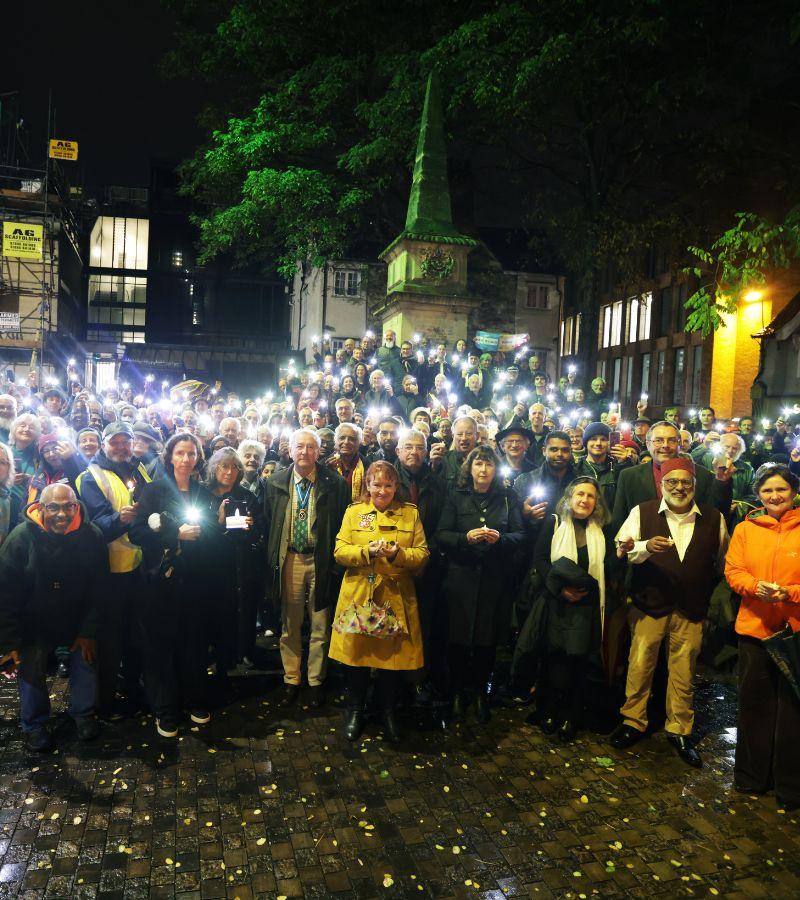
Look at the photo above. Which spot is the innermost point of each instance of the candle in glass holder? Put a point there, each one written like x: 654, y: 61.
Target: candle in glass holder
x: 237, y: 520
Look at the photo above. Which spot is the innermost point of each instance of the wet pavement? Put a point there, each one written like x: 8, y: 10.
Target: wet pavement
x: 260, y: 803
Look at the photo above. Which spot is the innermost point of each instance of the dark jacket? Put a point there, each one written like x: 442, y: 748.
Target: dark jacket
x: 605, y: 474
x: 431, y: 494
x: 450, y: 467
x: 408, y: 403
x: 52, y: 587
x: 637, y: 485
x: 332, y: 499
x: 572, y: 628
x: 382, y: 400
x: 477, y: 587
x: 196, y: 559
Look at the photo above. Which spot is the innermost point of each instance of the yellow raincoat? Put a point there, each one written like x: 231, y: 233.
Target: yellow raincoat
x: 393, y: 585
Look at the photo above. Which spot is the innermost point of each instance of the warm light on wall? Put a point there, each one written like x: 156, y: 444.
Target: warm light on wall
x: 752, y: 296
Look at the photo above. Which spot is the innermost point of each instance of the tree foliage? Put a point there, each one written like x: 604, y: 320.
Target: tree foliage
x: 597, y: 125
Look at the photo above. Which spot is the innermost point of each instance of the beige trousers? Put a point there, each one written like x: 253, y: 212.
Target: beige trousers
x: 297, y: 594
x: 647, y: 634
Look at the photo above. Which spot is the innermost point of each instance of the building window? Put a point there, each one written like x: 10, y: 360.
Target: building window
x: 601, y: 369
x: 683, y: 313
x: 117, y: 289
x: 661, y: 364
x: 645, y: 374
x: 577, y: 342
x: 697, y: 366
x: 677, y: 380
x: 617, y: 315
x: 537, y: 296
x: 629, y: 378
x: 605, y: 326
x: 617, y: 377
x: 119, y: 243
x: 346, y: 282
x: 633, y: 319
x: 645, y: 313
x: 569, y: 328
x: 666, y: 310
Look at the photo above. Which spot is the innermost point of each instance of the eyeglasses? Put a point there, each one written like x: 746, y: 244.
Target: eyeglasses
x: 677, y: 482
x: 54, y: 508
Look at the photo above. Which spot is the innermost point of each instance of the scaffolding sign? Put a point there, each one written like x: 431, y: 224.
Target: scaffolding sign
x: 63, y: 149
x: 9, y: 321
x: 23, y: 240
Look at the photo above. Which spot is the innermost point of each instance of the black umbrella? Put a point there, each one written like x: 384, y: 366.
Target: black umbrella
x: 784, y: 649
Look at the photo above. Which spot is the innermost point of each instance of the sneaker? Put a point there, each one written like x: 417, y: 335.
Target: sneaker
x: 167, y: 728
x: 200, y: 716
x: 88, y: 728
x: 38, y: 740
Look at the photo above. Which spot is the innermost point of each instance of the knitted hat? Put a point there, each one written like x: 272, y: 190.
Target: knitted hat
x: 45, y: 439
x: 593, y: 429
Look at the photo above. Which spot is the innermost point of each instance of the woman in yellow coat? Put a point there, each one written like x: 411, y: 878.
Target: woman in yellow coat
x: 382, y: 546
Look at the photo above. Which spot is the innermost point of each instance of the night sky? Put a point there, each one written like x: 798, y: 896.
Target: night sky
x: 101, y: 59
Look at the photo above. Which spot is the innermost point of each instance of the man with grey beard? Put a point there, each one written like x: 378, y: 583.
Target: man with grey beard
x: 8, y: 412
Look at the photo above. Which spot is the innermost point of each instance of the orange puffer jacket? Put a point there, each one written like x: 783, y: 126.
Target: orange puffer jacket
x: 765, y: 549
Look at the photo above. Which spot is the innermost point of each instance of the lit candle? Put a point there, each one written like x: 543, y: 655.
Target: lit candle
x: 236, y: 521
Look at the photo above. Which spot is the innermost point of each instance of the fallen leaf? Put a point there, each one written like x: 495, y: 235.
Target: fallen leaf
x: 456, y: 849
x: 388, y: 881
x: 261, y: 841
x: 584, y: 798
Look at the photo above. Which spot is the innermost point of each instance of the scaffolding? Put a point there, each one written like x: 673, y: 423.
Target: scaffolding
x: 33, y: 288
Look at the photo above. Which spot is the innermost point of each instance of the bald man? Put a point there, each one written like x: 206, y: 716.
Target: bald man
x: 53, y: 578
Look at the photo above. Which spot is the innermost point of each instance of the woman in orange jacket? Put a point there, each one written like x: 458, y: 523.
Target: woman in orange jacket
x: 763, y: 566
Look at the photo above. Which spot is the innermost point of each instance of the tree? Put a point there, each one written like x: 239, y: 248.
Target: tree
x: 610, y: 126
x: 739, y: 260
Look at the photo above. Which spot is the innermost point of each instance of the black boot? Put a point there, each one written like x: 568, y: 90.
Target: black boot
x: 459, y: 706
x: 354, y: 724
x: 391, y: 727
x: 482, y: 712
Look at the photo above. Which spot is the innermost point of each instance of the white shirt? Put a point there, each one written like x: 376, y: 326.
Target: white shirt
x: 681, y: 529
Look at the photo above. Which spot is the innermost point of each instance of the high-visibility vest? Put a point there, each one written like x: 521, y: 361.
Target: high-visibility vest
x: 123, y: 556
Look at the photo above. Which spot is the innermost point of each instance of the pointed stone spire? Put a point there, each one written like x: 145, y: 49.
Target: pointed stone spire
x: 429, y: 216
x: 429, y: 210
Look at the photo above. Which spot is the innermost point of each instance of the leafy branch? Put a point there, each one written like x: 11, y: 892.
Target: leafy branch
x: 740, y: 260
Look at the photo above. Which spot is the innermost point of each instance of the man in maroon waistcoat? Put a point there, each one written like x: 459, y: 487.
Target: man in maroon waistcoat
x: 677, y: 549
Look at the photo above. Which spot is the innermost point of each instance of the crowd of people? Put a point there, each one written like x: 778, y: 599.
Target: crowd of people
x: 404, y: 510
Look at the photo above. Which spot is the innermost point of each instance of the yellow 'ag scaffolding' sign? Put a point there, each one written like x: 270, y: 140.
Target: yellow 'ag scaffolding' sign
x: 22, y: 240
x: 63, y: 150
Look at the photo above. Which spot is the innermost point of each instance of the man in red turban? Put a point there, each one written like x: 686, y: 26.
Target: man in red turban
x: 677, y: 550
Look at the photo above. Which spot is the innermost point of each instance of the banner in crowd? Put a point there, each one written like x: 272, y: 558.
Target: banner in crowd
x: 22, y: 240
x: 494, y: 340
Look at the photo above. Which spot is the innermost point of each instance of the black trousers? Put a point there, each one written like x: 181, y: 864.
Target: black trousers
x: 470, y: 666
x: 119, y: 646
x: 176, y: 648
x: 389, y: 684
x: 768, y: 732
x: 566, y: 684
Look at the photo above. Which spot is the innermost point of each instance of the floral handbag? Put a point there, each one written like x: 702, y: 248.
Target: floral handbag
x: 370, y: 618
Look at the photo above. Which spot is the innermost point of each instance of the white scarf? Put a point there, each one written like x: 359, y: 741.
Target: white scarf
x: 565, y: 545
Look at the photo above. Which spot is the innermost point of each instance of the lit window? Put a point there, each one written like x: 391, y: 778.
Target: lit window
x: 576, y: 347
x: 616, y: 323
x: 633, y: 319
x: 645, y: 312
x: 118, y: 242
x: 605, y: 326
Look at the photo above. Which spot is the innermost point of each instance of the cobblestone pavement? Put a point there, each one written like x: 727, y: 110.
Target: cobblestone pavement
x: 264, y: 804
